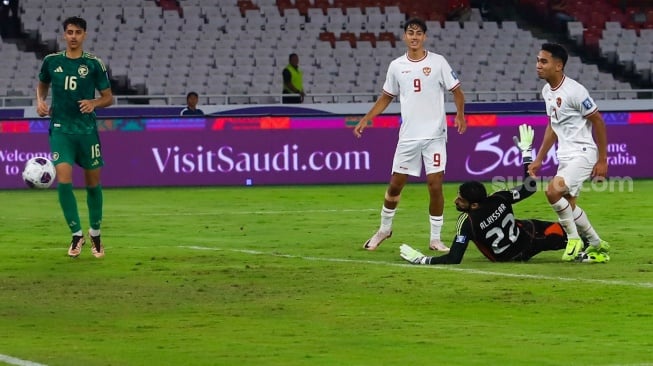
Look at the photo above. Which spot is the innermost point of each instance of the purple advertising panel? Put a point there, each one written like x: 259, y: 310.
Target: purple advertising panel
x: 303, y: 156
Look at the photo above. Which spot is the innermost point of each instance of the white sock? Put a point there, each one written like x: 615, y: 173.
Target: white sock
x: 94, y: 232
x: 566, y: 217
x: 585, y: 228
x: 386, y: 219
x: 436, y: 226
x: 78, y: 233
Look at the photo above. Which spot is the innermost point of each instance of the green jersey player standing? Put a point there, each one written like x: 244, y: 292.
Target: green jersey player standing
x: 74, y: 75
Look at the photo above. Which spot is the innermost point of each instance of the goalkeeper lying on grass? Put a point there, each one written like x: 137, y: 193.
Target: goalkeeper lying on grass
x: 489, y: 222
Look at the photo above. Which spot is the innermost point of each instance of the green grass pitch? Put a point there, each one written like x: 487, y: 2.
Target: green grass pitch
x: 277, y: 276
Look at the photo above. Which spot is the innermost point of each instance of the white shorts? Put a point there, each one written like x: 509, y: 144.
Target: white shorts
x: 576, y: 170
x: 410, y: 155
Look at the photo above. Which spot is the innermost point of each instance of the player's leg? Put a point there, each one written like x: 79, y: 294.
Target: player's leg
x: 62, y: 147
x: 561, y: 194
x: 406, y: 161
x: 390, y: 203
x: 434, y: 155
x: 562, y: 204
x: 91, y: 160
x: 549, y: 235
x: 586, y: 231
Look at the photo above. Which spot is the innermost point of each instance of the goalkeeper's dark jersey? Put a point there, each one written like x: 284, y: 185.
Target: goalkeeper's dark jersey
x: 73, y: 80
x: 498, y: 234
x: 493, y: 227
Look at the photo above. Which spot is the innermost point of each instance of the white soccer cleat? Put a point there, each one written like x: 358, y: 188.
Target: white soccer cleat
x: 376, y: 239
x: 436, y: 244
x: 411, y: 255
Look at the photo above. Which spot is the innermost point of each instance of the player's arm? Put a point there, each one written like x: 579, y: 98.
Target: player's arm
x: 525, y: 145
x: 598, y: 125
x: 459, y: 102
x: 89, y: 105
x: 459, y: 244
x: 42, y: 108
x: 381, y: 104
x: 456, y: 253
x: 547, y: 142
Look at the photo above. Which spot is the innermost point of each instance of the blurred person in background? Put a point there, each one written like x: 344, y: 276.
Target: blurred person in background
x: 191, y: 105
x: 293, y: 84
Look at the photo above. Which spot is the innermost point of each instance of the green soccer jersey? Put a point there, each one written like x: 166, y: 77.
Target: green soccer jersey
x: 72, y: 80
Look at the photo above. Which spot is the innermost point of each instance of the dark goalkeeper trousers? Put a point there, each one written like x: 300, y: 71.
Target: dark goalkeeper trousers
x: 539, y: 236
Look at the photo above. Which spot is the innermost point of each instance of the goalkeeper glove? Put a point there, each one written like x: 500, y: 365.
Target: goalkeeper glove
x: 525, y: 142
x: 410, y: 254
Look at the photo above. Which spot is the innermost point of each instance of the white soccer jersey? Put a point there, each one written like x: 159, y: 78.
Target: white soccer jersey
x: 420, y: 85
x: 568, y: 106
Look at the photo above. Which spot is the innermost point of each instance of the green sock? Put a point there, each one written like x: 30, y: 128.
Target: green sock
x: 94, y: 202
x: 69, y: 206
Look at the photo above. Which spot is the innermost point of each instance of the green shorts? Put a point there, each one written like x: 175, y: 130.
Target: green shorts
x: 83, y: 150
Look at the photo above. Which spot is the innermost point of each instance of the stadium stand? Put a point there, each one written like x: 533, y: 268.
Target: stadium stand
x: 163, y: 48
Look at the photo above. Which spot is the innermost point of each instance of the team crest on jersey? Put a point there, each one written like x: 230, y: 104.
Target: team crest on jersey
x: 82, y: 70
x: 587, y: 103
x: 426, y: 71
x: 558, y: 101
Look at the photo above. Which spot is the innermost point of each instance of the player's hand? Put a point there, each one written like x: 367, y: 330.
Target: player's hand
x: 533, y: 167
x: 460, y: 123
x: 600, y: 170
x: 42, y: 108
x: 86, y: 106
x: 358, y: 130
x: 526, y: 135
x: 411, y: 255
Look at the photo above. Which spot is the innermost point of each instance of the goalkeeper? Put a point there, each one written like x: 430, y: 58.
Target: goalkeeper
x: 490, y: 223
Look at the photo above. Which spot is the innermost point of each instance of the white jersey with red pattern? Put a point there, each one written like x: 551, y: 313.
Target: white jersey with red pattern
x: 568, y: 106
x: 421, y: 85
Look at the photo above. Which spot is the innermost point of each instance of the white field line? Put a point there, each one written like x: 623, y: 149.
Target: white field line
x: 452, y: 268
x: 214, y: 213
x: 279, y: 212
x: 17, y: 361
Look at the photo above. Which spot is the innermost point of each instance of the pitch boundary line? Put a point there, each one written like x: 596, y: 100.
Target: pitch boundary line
x: 432, y: 267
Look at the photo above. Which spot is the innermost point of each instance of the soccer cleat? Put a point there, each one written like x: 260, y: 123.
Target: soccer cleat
x: 593, y: 257
x: 436, y: 244
x: 76, y: 246
x: 96, y: 248
x: 599, y: 253
x: 411, y: 255
x: 376, y: 240
x: 604, y: 247
x: 574, y: 246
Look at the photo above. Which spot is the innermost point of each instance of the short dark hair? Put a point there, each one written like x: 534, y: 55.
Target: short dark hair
x: 77, y: 21
x: 557, y: 51
x: 291, y: 56
x: 415, y: 21
x: 473, y: 191
x: 191, y: 94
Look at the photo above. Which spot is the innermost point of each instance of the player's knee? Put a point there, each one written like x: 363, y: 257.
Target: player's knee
x: 555, y: 190
x: 390, y: 197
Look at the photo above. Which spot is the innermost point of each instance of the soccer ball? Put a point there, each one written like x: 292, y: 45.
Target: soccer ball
x: 39, y: 172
